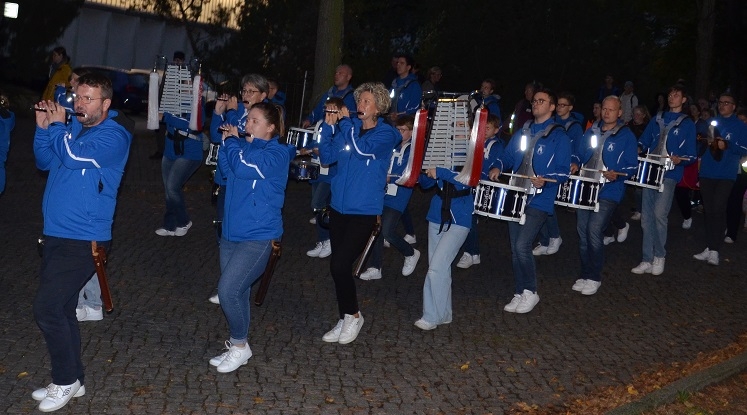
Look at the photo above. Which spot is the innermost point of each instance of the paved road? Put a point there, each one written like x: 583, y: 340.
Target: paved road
x: 150, y: 355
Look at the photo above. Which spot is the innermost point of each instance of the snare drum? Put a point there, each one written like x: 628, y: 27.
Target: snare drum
x: 650, y: 174
x: 303, y: 169
x: 299, y: 137
x: 500, y: 201
x: 579, y: 192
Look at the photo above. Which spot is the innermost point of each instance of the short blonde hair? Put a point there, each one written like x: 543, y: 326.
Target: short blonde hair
x: 379, y: 92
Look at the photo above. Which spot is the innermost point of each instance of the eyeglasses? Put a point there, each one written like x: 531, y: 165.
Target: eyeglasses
x: 248, y: 91
x: 563, y: 105
x: 725, y: 103
x: 85, y: 100
x: 538, y: 101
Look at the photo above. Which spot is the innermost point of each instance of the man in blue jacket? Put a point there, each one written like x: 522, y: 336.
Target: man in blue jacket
x: 341, y: 89
x: 85, y: 160
x: 405, y: 90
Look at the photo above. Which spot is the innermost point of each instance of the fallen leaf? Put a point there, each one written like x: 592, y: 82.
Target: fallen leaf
x: 23, y: 375
x: 465, y: 366
x: 631, y: 390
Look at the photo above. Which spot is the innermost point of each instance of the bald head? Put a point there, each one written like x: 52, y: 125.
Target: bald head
x: 611, y: 111
x: 343, y: 75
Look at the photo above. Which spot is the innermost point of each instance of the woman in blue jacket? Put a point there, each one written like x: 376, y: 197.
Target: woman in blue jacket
x: 362, y: 152
x: 256, y: 171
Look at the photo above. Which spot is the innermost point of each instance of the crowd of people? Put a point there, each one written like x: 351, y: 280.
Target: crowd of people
x: 362, y: 145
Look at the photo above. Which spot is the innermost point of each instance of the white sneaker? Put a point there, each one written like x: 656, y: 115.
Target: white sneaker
x: 314, y: 253
x: 703, y: 256
x: 164, y: 232
x: 425, y: 325
x: 591, y: 287
x: 387, y: 244
x: 87, y: 313
x: 527, y: 302
x: 728, y: 240
x: 475, y: 259
x: 351, y: 326
x: 40, y: 394
x: 182, y: 230
x: 465, y: 261
x: 410, y: 263
x: 554, y: 246
x: 410, y: 239
x: 58, y: 396
x: 622, y: 234
x: 713, y: 258
x: 636, y: 216
x: 371, y: 274
x: 313, y: 220
x: 214, y: 299
x: 608, y: 240
x: 642, y: 268
x: 333, y: 336
x: 326, y: 249
x: 657, y: 267
x: 217, y: 360
x: 687, y: 223
x: 539, y: 250
x: 235, y: 357
x: 511, y: 307
x: 579, y: 285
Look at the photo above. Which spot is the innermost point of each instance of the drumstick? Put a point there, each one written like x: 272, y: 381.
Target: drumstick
x: 616, y: 173
x: 521, y: 176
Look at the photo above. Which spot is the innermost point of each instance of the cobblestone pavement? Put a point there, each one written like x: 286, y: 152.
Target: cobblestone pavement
x: 150, y: 355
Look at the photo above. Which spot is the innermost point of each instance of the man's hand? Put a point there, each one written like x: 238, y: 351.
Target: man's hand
x: 305, y: 124
x: 610, y: 175
x: 494, y: 173
x: 537, y: 182
x: 574, y: 168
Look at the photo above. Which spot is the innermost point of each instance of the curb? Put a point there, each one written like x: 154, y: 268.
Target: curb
x: 692, y: 383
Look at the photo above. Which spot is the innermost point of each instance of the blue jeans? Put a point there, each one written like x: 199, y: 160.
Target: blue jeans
x: 90, y: 294
x: 590, y: 226
x: 321, y: 194
x: 407, y: 222
x: 522, y: 237
x: 471, y: 245
x: 66, y: 266
x: 389, y: 219
x: 550, y: 229
x: 241, y: 265
x: 655, y: 207
x: 175, y: 174
x: 442, y: 249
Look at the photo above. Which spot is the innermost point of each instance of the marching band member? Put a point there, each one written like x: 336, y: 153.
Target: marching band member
x: 718, y: 172
x: 680, y: 145
x: 256, y: 171
x: 362, y: 153
x: 7, y: 124
x: 405, y: 92
x: 551, y: 158
x: 228, y: 112
x: 494, y: 147
x: 341, y: 89
x: 618, y: 148
x: 395, y: 202
x: 550, y: 239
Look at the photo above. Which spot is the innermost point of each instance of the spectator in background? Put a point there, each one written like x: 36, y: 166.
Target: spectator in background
x: 276, y: 96
x: 608, y: 88
x: 59, y: 72
x: 596, y: 113
x: 629, y: 101
x: 433, y: 78
x: 523, y: 109
x: 660, y: 104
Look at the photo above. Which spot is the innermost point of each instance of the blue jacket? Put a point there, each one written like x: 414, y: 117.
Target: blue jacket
x: 256, y: 175
x: 347, y: 97
x: 620, y: 154
x: 85, y: 170
x: 232, y: 117
x: 7, y: 123
x: 461, y: 207
x: 398, y: 162
x: 491, y: 103
x: 406, y: 95
x: 552, y: 159
x: 575, y: 133
x: 680, y: 141
x: 178, y: 126
x: 494, y: 148
x: 734, y: 131
x: 60, y: 95
x: 362, y: 162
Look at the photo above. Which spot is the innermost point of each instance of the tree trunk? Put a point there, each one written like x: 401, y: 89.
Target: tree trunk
x: 704, y: 46
x: 328, y: 46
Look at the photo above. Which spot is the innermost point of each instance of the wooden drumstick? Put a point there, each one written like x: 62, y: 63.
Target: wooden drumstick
x: 616, y: 173
x: 521, y: 176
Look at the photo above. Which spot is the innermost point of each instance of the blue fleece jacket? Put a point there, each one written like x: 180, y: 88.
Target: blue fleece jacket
x: 734, y: 131
x: 362, y: 162
x: 680, y: 141
x: 85, y: 170
x: 406, y: 95
x: 347, y: 97
x: 620, y: 154
x: 400, y: 155
x: 552, y: 159
x: 461, y: 207
x: 192, y: 143
x: 256, y: 176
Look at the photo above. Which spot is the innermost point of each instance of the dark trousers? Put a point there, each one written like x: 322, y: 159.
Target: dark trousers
x: 734, y: 206
x: 348, y: 235
x: 67, y: 264
x: 389, y: 219
x: 683, y: 198
x: 715, y: 197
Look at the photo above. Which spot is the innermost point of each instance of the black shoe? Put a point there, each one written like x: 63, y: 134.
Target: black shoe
x: 156, y: 156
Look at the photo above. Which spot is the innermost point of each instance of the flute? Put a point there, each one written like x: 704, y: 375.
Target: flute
x: 224, y: 129
x: 76, y: 114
